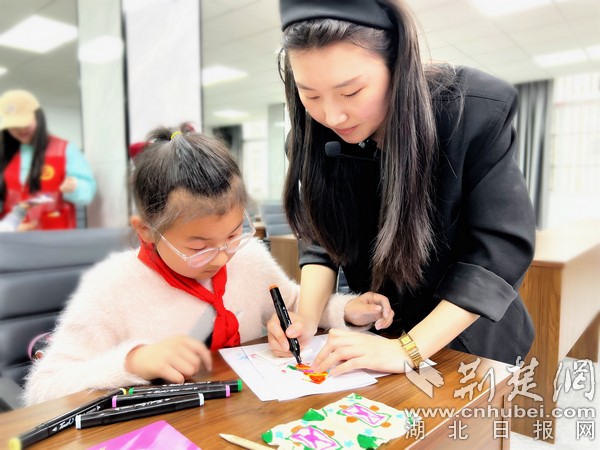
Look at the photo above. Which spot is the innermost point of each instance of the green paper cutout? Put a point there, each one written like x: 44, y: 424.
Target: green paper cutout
x: 367, y: 441
x: 313, y: 416
x: 267, y: 436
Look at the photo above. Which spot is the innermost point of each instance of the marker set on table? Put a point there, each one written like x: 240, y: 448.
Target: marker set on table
x: 139, y: 402
x: 128, y: 404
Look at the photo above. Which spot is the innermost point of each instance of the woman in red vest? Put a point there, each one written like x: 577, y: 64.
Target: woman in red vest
x: 37, y: 165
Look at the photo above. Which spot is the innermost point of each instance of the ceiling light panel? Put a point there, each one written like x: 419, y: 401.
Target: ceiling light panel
x: 38, y: 34
x: 561, y: 58
x: 220, y: 74
x: 497, y: 8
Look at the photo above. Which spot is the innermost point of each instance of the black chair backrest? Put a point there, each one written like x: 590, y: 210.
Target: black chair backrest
x: 38, y: 272
x: 273, y: 216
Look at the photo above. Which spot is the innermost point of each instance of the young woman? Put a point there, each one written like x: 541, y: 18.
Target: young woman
x: 403, y: 175
x: 33, y: 162
x: 154, y: 312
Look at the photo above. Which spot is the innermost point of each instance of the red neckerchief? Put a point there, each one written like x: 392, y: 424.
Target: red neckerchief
x: 226, y: 332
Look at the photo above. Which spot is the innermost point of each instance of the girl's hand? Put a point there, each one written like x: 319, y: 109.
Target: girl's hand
x: 174, y: 359
x: 368, y: 308
x: 352, y: 350
x: 301, y: 329
x: 29, y: 226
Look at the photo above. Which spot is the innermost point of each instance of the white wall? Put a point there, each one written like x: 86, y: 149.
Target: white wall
x: 163, y: 64
x: 103, y: 111
x: 64, y: 123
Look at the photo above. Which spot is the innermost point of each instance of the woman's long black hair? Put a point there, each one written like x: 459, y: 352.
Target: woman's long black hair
x: 320, y: 196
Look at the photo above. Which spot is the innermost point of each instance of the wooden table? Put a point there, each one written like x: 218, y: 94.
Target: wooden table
x: 243, y: 414
x: 561, y: 290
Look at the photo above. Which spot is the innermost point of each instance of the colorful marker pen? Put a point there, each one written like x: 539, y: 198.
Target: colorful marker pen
x: 284, y: 320
x: 131, y: 399
x: 138, y: 410
x: 234, y: 386
x: 61, y: 422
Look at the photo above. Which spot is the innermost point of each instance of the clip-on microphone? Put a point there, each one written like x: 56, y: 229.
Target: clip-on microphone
x: 333, y: 149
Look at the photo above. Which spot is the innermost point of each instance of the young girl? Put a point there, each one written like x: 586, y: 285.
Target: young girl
x: 403, y: 175
x: 158, y: 311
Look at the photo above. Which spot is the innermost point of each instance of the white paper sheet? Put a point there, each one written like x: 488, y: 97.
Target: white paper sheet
x: 269, y: 378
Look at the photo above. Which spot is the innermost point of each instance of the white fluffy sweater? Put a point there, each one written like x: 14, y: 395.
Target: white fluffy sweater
x: 121, y: 303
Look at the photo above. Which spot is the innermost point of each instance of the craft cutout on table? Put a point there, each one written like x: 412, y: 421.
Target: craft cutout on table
x: 353, y: 422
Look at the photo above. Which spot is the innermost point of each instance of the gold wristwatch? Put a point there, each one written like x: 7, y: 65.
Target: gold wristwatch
x: 411, y: 348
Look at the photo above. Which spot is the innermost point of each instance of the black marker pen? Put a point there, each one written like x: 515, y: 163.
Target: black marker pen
x: 53, y: 426
x: 138, y: 410
x: 284, y: 320
x: 131, y: 399
x: 234, y: 385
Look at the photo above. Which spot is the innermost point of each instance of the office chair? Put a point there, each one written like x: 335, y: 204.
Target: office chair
x: 341, y: 283
x: 273, y: 216
x: 38, y: 272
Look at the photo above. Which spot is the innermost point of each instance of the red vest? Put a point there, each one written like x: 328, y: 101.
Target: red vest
x: 50, y: 216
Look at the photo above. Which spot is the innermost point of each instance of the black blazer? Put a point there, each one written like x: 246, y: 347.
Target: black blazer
x: 484, y: 224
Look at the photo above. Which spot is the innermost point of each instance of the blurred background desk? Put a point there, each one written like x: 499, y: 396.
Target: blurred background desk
x: 259, y: 226
x: 284, y: 249
x: 561, y: 290
x: 243, y: 414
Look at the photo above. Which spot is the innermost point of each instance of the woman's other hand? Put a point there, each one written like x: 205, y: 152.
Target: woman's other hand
x: 345, y: 351
x: 174, y: 359
x: 368, y: 308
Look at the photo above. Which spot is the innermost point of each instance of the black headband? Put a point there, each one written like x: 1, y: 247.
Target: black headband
x: 363, y: 12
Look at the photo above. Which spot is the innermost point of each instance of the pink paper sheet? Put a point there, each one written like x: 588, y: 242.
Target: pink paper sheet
x: 156, y: 436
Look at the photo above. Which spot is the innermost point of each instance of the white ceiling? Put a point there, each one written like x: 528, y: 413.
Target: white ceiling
x: 244, y: 34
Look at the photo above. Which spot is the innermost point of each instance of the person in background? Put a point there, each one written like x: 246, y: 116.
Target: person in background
x: 154, y: 312
x: 404, y: 175
x: 34, y: 162
x: 14, y: 219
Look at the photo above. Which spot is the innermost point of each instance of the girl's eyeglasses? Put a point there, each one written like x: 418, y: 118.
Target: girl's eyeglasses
x: 208, y: 254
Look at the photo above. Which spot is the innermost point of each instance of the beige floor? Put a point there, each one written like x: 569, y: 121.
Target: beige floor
x: 565, y: 431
